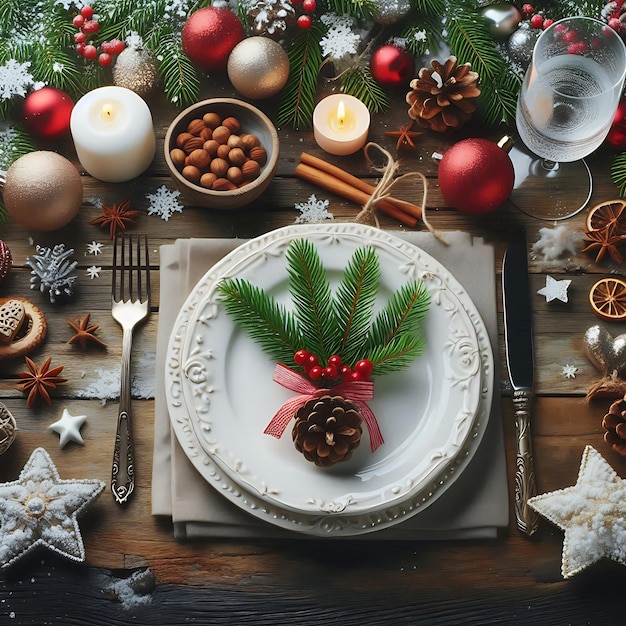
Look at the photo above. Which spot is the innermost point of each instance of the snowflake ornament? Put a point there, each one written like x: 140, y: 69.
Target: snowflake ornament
x: 339, y: 41
x: 569, y: 371
x: 51, y: 271
x: 164, y: 203
x: 15, y: 79
x: 95, y: 248
x: 94, y: 271
x: 555, y: 289
x: 313, y: 211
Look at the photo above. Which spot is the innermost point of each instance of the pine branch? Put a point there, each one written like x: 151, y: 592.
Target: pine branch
x: 359, y: 82
x: 312, y: 298
x: 266, y: 322
x: 360, y: 9
x: 396, y: 355
x: 618, y: 173
x: 298, y: 96
x: 180, y: 79
x: 354, y: 302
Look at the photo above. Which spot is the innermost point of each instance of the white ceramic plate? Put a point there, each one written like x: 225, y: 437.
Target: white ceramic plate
x: 432, y: 416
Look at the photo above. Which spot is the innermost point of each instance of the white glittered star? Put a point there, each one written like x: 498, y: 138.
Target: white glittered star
x: 555, y: 289
x: 40, y: 509
x: 592, y: 513
x: 569, y: 371
x: 94, y: 272
x: 68, y: 427
x: 95, y: 248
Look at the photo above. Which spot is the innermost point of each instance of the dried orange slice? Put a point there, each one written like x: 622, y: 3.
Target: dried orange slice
x: 609, y: 215
x: 608, y: 299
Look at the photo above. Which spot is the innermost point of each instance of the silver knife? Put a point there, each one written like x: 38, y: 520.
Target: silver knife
x: 518, y: 333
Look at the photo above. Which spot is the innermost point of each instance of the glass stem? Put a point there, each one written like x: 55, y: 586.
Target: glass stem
x: 550, y: 166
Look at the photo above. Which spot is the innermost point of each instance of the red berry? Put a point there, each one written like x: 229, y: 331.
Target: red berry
x: 87, y: 12
x: 105, y: 46
x: 311, y: 361
x: 116, y: 46
x: 90, y: 27
x: 316, y: 372
x: 335, y: 360
x: 78, y: 21
x: 346, y: 372
x: 80, y: 37
x: 330, y: 372
x: 547, y: 23
x: 570, y: 36
x: 104, y: 59
x: 615, y: 24
x: 364, y: 367
x: 309, y: 5
x: 300, y: 357
x: 80, y: 48
x: 536, y: 21
x: 90, y: 52
x: 528, y: 9
x: 305, y: 21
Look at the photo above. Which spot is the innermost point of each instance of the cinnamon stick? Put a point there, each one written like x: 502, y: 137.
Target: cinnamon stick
x: 341, y: 188
x: 358, y: 183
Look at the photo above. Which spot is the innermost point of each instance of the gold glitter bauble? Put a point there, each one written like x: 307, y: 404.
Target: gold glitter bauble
x: 258, y: 67
x: 136, y: 70
x: 43, y: 191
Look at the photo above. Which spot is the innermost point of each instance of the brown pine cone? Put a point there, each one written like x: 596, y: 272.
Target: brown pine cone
x: 443, y: 102
x: 614, y: 422
x: 327, y: 430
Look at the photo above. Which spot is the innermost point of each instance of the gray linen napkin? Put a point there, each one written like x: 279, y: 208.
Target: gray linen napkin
x: 474, y: 506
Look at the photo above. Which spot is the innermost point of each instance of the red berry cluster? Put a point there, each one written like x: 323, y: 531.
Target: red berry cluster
x: 536, y: 19
x: 308, y: 6
x: 88, y: 26
x: 335, y: 370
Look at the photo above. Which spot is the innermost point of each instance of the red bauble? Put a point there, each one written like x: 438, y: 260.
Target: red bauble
x: 46, y: 113
x: 617, y: 133
x: 209, y: 36
x: 392, y: 66
x: 476, y: 176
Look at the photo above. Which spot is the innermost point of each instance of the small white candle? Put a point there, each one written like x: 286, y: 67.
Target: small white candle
x: 113, y: 134
x: 341, y: 124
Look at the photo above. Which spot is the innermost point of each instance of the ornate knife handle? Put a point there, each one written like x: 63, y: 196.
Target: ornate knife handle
x: 525, y: 484
x: 123, y: 471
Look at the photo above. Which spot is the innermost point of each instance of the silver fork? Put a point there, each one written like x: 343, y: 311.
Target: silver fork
x: 130, y: 304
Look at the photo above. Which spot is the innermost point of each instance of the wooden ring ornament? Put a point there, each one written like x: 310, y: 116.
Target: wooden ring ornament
x: 26, y: 334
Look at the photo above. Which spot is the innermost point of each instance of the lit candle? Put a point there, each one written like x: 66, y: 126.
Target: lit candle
x: 341, y: 124
x: 113, y: 134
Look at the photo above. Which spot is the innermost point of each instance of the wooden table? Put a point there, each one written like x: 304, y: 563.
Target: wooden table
x: 136, y: 572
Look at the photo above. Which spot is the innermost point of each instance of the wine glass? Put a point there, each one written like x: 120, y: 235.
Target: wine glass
x: 564, y: 111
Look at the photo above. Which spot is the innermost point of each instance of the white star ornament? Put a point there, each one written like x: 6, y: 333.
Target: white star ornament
x: 40, y: 509
x: 592, y: 513
x: 68, y: 428
x: 555, y: 289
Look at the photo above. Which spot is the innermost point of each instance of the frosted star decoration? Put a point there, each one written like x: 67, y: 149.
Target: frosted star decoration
x: 68, y: 428
x: 41, y: 509
x: 93, y: 271
x: 555, y: 289
x: 569, y: 371
x: 592, y: 513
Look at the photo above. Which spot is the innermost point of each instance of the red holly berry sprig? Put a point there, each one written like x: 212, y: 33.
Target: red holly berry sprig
x: 334, y: 370
x: 537, y: 20
x: 305, y: 20
x: 85, y: 47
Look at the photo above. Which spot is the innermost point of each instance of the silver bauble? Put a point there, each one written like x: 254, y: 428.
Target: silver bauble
x: 135, y: 69
x: 391, y: 11
x: 503, y: 18
x: 522, y: 43
x: 258, y: 67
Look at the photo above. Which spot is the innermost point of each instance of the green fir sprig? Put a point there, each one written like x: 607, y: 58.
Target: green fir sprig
x: 358, y: 81
x: 325, y: 323
x: 618, y: 173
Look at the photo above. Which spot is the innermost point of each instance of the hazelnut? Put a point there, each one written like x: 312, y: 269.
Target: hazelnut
x: 232, y: 123
x: 223, y: 184
x: 211, y: 147
x: 207, y: 179
x: 181, y: 138
x: 234, y: 141
x: 195, y: 127
x: 250, y: 169
x: 178, y: 157
x: 219, y: 166
x: 223, y: 151
x: 206, y: 133
x: 221, y: 134
x: 234, y: 175
x: 237, y: 156
x: 250, y: 141
x: 191, y: 144
x: 191, y: 173
x: 212, y: 120
x: 258, y: 154
x: 200, y: 158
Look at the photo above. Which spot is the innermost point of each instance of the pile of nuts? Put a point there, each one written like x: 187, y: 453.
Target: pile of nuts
x: 213, y: 154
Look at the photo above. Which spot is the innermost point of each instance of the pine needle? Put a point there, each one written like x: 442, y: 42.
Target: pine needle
x: 359, y: 82
x: 618, y: 173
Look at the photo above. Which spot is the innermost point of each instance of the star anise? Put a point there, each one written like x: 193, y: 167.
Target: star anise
x: 604, y: 241
x: 405, y: 136
x: 116, y: 216
x: 85, y: 334
x: 38, y: 380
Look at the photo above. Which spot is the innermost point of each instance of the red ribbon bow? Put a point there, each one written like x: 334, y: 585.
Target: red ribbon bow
x: 356, y: 390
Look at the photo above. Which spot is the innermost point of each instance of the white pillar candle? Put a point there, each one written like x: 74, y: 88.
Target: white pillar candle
x: 113, y: 134
x: 341, y: 124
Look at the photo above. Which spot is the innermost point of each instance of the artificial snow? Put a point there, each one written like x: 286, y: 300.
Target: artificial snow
x: 555, y: 242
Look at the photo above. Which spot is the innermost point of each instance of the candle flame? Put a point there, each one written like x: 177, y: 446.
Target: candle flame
x: 341, y: 114
x: 108, y: 111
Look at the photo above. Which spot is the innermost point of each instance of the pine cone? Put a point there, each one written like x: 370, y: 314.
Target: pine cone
x: 327, y: 430
x: 614, y: 422
x: 442, y: 102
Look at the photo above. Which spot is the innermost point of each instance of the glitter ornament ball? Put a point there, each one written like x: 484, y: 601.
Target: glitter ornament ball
x: 391, y: 11
x: 46, y: 113
x: 503, y: 18
x: 135, y: 69
x: 617, y: 132
x: 476, y: 176
x: 258, y: 67
x: 392, y: 66
x: 209, y: 36
x: 43, y: 191
x: 522, y: 43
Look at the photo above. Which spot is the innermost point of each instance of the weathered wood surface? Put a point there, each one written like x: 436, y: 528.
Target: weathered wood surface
x: 137, y: 573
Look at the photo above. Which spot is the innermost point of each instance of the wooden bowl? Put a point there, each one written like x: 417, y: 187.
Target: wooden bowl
x: 252, y: 121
